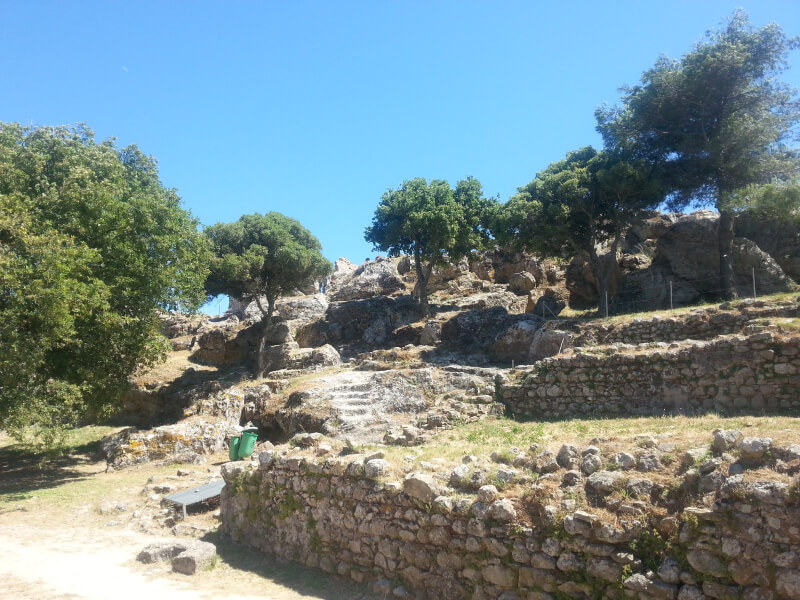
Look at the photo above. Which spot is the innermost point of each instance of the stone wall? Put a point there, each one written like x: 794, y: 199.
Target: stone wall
x: 413, y: 541
x: 733, y: 374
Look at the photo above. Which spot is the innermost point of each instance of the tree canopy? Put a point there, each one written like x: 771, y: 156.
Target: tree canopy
x: 579, y: 205
x: 262, y: 257
x: 716, y: 121
x: 92, y: 247
x: 431, y: 222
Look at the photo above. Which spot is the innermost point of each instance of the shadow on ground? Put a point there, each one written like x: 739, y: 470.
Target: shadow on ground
x: 23, y: 472
x: 304, y: 580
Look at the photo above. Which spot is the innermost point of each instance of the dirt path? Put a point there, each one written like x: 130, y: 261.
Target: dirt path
x: 68, y: 563
x: 56, y: 542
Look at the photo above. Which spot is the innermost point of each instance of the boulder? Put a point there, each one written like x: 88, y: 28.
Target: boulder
x: 725, y: 440
x: 776, y: 236
x: 274, y: 358
x: 752, y: 450
x: 431, y: 333
x: 476, y: 329
x: 521, y: 283
x: 451, y: 276
x: 422, y: 487
x: 278, y: 333
x: 196, y: 556
x: 749, y: 260
x: 188, y: 441
x: 379, y: 278
x: 349, y: 322
x: 160, y: 551
x: 222, y: 346
x: 302, y: 308
x: 583, y: 285
x: 604, y: 482
x: 514, y: 344
x: 548, y: 306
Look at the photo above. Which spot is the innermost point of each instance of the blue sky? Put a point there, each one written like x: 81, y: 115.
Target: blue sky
x: 314, y: 109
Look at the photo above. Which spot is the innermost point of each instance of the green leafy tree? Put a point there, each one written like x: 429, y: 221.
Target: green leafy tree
x: 580, y: 205
x: 92, y: 248
x: 431, y: 222
x: 717, y: 121
x: 261, y: 258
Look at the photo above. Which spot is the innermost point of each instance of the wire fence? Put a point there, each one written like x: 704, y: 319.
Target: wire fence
x: 674, y: 293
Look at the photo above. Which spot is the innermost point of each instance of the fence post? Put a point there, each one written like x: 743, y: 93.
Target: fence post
x: 754, y: 282
x: 606, y: 305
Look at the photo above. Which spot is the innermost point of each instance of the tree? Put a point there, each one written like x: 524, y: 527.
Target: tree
x: 716, y: 121
x: 262, y: 257
x: 582, y: 204
x: 92, y: 248
x: 431, y: 222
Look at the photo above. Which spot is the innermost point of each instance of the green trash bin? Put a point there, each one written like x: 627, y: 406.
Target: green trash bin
x: 247, y: 443
x: 233, y: 451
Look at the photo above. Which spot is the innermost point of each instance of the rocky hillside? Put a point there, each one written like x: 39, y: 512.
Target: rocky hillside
x: 368, y: 369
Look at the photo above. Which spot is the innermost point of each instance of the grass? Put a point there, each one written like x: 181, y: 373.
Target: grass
x: 78, y: 477
x: 591, y: 314
x: 482, y: 438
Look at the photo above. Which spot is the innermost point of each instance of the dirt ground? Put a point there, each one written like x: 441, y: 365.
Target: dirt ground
x: 57, y: 543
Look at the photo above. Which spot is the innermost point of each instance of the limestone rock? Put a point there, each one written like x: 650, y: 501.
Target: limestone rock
x: 787, y: 583
x: 431, y: 333
x: 625, y: 460
x: 548, y: 306
x: 502, y: 510
x: 379, y: 278
x: 376, y: 468
x: 160, y: 551
x: 422, y: 487
x: 725, y: 439
x: 752, y: 450
x: 707, y: 563
x: 515, y: 343
x: 604, y: 482
x: 196, y: 556
x: 487, y: 494
x: 591, y: 463
x: 521, y: 283
x: 568, y: 457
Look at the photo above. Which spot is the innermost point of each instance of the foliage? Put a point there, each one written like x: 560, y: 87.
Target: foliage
x: 433, y: 223
x: 578, y: 205
x: 92, y: 247
x: 778, y: 201
x: 263, y: 256
x: 715, y: 121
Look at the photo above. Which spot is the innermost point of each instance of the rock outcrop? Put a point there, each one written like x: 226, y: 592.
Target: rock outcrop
x: 378, y: 278
x: 684, y: 268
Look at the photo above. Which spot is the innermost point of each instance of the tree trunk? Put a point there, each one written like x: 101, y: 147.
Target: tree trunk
x: 725, y: 243
x: 423, y: 276
x: 604, y: 268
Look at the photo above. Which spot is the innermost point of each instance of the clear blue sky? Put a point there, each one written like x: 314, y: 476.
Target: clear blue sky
x: 314, y: 109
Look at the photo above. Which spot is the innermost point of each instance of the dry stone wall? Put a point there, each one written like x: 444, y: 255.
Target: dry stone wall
x: 412, y: 540
x: 731, y: 374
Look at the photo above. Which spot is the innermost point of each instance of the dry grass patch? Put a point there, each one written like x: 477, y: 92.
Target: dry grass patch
x: 591, y: 314
x: 172, y: 368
